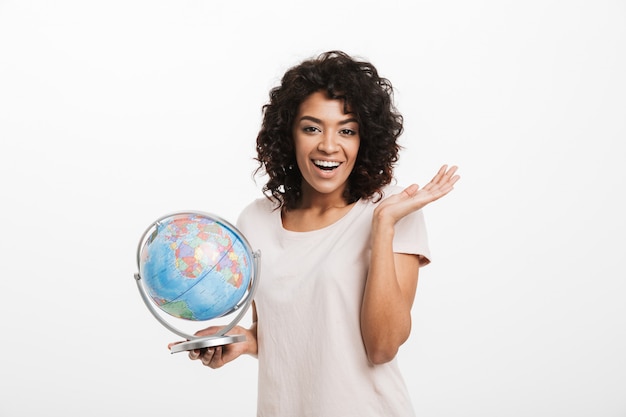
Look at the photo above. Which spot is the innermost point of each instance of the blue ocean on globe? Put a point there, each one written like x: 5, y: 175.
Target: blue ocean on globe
x: 195, y: 267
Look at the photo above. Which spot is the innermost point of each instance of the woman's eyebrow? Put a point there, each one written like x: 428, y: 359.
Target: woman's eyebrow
x: 319, y: 121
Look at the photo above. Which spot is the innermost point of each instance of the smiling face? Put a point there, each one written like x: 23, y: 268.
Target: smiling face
x: 326, y: 144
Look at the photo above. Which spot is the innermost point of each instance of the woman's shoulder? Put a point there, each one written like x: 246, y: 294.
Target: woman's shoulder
x: 261, y: 204
x: 257, y: 209
x: 385, y: 191
x: 391, y: 189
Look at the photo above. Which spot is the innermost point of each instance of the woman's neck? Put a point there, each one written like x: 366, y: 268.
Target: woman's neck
x: 312, y: 200
x: 315, y: 211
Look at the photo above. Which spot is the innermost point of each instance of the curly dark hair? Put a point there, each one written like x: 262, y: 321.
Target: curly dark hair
x: 368, y: 96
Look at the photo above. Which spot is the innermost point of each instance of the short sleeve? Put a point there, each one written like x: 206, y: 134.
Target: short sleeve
x: 252, y: 215
x: 411, y: 237
x: 410, y: 233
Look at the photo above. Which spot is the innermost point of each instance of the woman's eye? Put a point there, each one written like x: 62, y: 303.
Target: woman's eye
x: 310, y: 129
x: 347, y: 132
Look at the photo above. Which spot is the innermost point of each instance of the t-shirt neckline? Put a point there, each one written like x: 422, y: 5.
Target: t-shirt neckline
x: 348, y: 215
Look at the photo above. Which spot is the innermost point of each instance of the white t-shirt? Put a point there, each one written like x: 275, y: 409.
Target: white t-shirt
x: 312, y: 360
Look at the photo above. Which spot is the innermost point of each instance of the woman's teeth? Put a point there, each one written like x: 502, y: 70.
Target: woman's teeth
x: 326, y: 165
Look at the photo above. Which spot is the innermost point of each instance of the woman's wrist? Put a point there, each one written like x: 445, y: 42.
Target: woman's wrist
x: 251, y: 341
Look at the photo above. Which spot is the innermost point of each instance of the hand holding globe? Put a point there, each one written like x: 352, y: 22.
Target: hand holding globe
x: 198, y: 267
x: 218, y: 356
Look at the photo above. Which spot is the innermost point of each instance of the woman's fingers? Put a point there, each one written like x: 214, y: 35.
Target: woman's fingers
x: 207, y: 356
x: 443, y: 182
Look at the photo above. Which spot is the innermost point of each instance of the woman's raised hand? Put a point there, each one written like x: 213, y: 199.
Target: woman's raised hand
x: 413, y: 198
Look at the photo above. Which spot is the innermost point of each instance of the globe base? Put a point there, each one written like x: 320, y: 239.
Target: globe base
x: 206, y: 342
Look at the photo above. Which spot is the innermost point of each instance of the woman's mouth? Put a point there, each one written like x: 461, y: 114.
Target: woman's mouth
x: 326, y: 165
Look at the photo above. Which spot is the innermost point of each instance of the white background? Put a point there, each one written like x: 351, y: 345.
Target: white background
x: 115, y: 113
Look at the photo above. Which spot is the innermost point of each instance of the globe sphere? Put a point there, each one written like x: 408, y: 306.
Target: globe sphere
x: 195, y: 266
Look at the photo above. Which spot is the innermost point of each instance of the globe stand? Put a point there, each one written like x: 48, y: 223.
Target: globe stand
x: 206, y: 342
x: 220, y: 338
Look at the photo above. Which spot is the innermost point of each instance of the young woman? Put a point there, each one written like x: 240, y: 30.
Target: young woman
x: 341, y: 247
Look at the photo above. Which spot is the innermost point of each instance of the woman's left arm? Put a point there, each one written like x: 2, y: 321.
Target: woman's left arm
x: 392, y: 277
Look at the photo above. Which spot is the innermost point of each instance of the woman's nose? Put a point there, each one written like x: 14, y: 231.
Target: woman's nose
x: 328, y: 143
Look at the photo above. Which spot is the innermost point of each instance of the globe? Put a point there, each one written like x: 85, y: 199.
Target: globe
x: 195, y: 266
